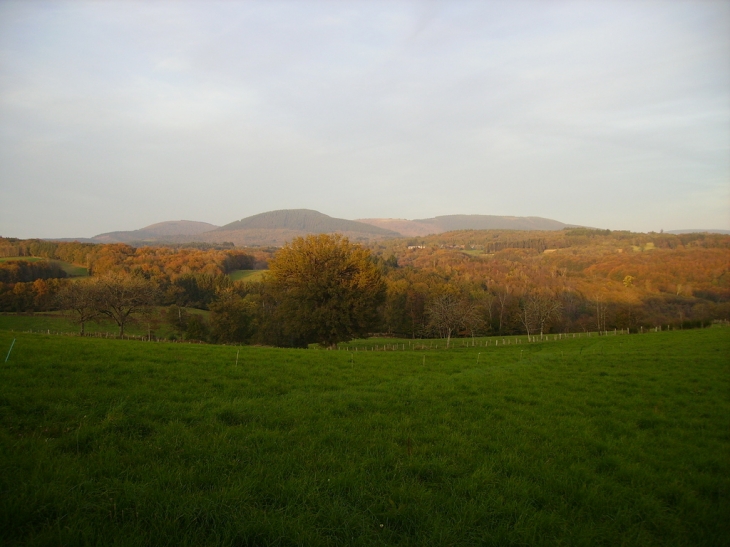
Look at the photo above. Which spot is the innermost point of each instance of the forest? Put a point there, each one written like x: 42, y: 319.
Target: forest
x: 462, y: 283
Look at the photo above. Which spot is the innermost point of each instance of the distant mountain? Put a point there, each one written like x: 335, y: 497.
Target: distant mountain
x: 447, y: 223
x: 276, y: 228
x: 404, y: 227
x: 172, y: 230
x: 179, y: 228
x: 698, y: 231
x: 305, y: 220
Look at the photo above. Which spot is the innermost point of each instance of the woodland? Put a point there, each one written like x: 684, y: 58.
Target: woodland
x: 459, y: 283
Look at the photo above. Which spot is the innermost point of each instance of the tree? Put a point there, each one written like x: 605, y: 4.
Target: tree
x: 448, y: 314
x: 600, y: 303
x: 232, y: 318
x: 537, y: 309
x: 324, y: 289
x: 485, y: 307
x: 122, y: 296
x: 177, y: 318
x: 395, y: 311
x: 196, y: 328
x: 81, y: 298
x: 504, y: 297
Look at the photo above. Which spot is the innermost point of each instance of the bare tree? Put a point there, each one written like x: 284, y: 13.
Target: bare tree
x: 484, y: 301
x: 448, y: 314
x: 600, y: 304
x: 81, y: 298
x: 122, y: 296
x: 537, y: 309
x: 503, y: 297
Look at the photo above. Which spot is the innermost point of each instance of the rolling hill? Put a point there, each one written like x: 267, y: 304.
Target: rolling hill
x: 305, y: 220
x: 162, y: 231
x: 447, y: 223
x: 698, y: 231
x: 275, y: 228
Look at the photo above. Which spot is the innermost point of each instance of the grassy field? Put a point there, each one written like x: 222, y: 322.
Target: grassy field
x: 619, y: 440
x: 71, y: 269
x: 60, y: 323
x: 247, y: 275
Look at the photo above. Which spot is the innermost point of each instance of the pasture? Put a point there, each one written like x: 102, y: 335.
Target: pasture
x: 71, y: 269
x: 616, y: 440
x: 251, y: 276
x: 54, y: 322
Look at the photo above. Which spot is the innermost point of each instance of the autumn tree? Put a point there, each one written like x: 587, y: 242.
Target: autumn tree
x: 324, y: 289
x: 484, y: 302
x: 504, y: 297
x: 81, y: 298
x: 599, y: 301
x: 448, y: 314
x: 537, y: 309
x: 177, y: 318
x: 232, y: 318
x: 120, y: 297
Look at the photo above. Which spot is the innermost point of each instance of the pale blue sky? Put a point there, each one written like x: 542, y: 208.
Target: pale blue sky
x: 114, y: 116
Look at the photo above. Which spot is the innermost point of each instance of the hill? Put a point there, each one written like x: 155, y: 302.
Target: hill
x: 588, y: 440
x: 305, y: 220
x: 278, y: 227
x: 448, y: 223
x: 162, y: 231
x: 698, y: 231
x: 275, y: 228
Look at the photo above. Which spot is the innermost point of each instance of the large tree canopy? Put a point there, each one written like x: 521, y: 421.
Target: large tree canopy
x: 120, y: 296
x: 325, y: 290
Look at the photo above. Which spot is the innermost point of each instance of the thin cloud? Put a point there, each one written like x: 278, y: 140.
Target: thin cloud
x: 612, y: 114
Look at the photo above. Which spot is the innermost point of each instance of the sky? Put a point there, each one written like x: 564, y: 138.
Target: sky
x: 117, y: 115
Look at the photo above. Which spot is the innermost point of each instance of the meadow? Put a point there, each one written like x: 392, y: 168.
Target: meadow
x: 72, y: 270
x: 55, y: 322
x: 615, y: 440
x: 247, y: 275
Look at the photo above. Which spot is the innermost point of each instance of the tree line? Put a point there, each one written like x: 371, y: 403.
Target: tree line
x: 326, y: 289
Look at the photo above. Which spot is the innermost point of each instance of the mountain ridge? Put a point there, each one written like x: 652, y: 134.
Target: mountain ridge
x: 448, y: 223
x: 306, y: 220
x: 275, y: 228
x: 170, y: 228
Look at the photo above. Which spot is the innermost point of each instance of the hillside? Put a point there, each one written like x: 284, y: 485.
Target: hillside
x: 273, y: 237
x: 305, y: 220
x: 162, y: 231
x: 698, y: 231
x: 275, y: 228
x: 447, y: 223
x: 617, y: 440
x: 408, y: 228
x: 179, y: 227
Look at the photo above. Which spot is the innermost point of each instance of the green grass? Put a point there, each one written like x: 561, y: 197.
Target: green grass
x: 247, y: 275
x: 42, y: 321
x: 71, y: 269
x: 595, y: 441
x: 61, y: 323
